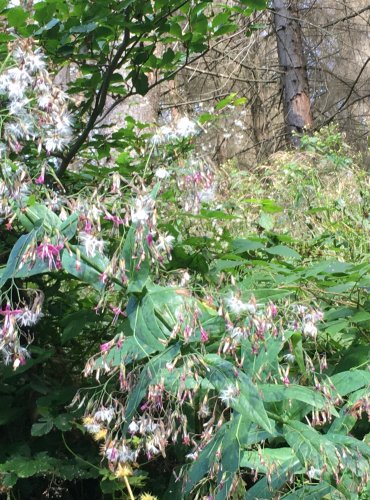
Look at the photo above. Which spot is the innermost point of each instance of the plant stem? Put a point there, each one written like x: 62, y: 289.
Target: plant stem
x: 77, y: 456
x: 131, y: 495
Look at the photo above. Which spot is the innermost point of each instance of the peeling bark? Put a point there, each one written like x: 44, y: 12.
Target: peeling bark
x: 295, y: 90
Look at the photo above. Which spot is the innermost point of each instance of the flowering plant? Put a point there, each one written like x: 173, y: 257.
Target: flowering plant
x: 218, y: 375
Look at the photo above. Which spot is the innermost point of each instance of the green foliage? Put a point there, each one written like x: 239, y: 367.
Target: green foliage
x: 263, y: 403
x: 227, y: 342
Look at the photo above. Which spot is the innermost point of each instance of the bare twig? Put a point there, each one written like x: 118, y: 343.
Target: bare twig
x: 229, y: 77
x: 346, y: 18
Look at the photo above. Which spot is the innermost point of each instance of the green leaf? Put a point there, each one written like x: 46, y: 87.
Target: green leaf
x: 350, y: 381
x: 22, y: 466
x: 283, y: 251
x: 9, y: 480
x: 357, y: 446
x: 222, y: 264
x: 220, y: 18
x: 266, y: 221
x: 149, y: 324
x: 145, y: 325
x: 148, y: 373
x: 176, y: 30
x: 137, y: 278
x: 267, y: 458
x: 248, y: 403
x: 17, y: 16
x: 168, y: 56
x: 336, y: 326
x: 63, y: 422
x: 15, y: 257
x: 129, y: 351
x: 311, y: 447
x: 110, y: 486
x: 83, y: 28
x: 68, y: 228
x: 50, y: 25
x: 205, y: 460
x: 42, y: 428
x: 229, y: 439
x: 205, y: 118
x: 214, y: 214
x: 241, y: 246
x: 354, y: 356
x: 273, y: 393
x: 141, y: 83
x: 73, y: 324
x: 240, y: 101
x: 256, y: 4
x: 201, y: 24
x: 297, y: 343
x: 224, y: 102
x: 153, y: 317
x: 313, y: 492
x: 36, y: 213
x: 338, y: 312
x: 266, y: 362
x: 3, y: 4
x: 264, y: 294
x: 360, y: 317
x: 266, y: 488
x: 268, y: 206
x: 86, y: 269
x: 223, y: 30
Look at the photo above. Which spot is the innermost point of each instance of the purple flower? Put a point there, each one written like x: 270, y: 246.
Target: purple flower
x: 105, y: 347
x: 203, y: 335
x: 48, y: 251
x: 40, y: 179
x: 149, y: 239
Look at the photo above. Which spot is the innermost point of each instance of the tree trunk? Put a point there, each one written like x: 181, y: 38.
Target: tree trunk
x: 296, y: 98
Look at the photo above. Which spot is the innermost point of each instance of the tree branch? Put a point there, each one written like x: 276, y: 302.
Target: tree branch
x: 229, y: 77
x: 102, y: 94
x: 345, y: 18
x: 152, y: 86
x: 189, y: 103
x: 100, y: 100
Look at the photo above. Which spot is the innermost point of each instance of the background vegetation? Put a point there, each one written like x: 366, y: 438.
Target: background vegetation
x: 171, y: 326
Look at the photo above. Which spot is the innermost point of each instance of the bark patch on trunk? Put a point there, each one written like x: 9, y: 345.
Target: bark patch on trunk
x: 294, y: 81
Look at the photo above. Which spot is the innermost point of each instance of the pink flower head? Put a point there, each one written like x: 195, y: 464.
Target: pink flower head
x: 22, y: 360
x: 203, y: 335
x: 10, y: 312
x: 186, y: 440
x: 48, y: 251
x: 187, y: 332
x: 272, y: 310
x: 197, y: 177
x: 105, y: 347
x: 117, y: 312
x: 17, y: 147
x: 41, y: 178
x: 117, y: 221
x: 88, y: 226
x: 9, y: 318
x: 285, y: 376
x: 103, y: 278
